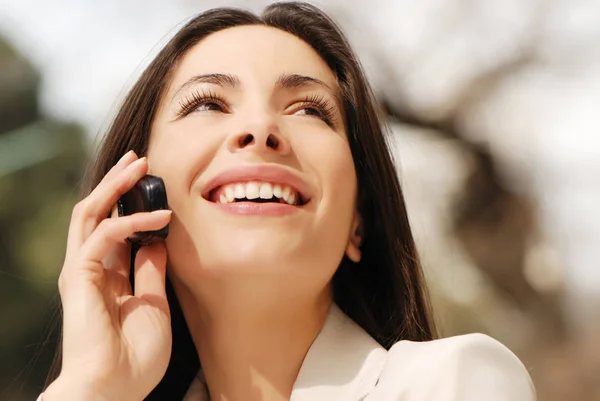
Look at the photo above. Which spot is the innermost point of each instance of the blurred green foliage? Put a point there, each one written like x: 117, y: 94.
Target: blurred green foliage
x: 41, y: 165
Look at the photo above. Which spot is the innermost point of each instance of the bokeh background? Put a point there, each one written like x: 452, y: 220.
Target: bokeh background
x: 494, y: 114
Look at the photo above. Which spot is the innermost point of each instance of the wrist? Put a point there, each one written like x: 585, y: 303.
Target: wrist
x: 73, y: 388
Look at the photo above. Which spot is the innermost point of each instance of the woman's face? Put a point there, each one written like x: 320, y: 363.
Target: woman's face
x: 255, y: 112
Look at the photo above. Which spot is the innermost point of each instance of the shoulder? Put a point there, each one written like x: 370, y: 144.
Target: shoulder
x: 462, y: 368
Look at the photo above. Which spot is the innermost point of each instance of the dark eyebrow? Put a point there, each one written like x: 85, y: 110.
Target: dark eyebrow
x: 296, y: 81
x: 215, y: 79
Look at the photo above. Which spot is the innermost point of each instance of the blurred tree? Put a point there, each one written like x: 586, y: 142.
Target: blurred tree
x: 19, y: 82
x: 497, y: 228
x: 41, y: 162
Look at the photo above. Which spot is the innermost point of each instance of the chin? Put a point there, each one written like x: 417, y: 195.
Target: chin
x: 248, y: 254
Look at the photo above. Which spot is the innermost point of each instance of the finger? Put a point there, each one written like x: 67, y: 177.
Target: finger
x: 123, y: 162
x: 91, y: 211
x: 114, y: 212
x: 118, y: 259
x: 150, y: 272
x: 107, y: 193
x: 75, y: 237
x: 115, y: 231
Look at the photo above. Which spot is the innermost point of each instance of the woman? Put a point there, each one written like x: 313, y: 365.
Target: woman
x: 290, y: 271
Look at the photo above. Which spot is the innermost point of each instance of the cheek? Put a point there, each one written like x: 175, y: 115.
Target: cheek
x: 169, y: 154
x: 178, y: 153
x: 329, y: 160
x: 332, y: 162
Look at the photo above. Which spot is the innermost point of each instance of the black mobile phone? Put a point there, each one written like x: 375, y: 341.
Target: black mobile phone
x: 147, y: 195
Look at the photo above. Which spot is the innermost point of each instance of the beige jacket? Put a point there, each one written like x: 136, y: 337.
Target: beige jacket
x: 344, y: 363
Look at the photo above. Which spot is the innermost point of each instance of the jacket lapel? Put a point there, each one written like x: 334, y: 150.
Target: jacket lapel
x: 343, y: 363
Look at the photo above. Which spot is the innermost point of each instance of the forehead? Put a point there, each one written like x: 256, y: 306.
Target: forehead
x: 252, y: 52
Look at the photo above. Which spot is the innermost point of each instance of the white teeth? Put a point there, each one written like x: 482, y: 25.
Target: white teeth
x: 266, y: 191
x: 291, y: 199
x: 285, y: 194
x: 252, y: 191
x: 229, y: 193
x: 239, y: 191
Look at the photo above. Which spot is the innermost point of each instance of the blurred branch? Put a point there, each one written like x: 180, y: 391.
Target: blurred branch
x: 495, y: 225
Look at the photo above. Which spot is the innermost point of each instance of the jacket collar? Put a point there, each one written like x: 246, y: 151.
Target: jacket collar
x: 343, y: 363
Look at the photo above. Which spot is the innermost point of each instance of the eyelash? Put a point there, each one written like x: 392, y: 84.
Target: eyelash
x: 196, y: 99
x: 322, y: 105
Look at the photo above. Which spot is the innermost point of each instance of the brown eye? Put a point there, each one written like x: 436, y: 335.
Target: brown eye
x: 311, y: 111
x: 209, y: 106
x: 317, y: 106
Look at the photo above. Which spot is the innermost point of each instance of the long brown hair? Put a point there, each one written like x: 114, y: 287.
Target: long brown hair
x: 384, y: 293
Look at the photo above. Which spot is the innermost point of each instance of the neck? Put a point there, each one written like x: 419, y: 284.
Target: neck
x: 248, y: 351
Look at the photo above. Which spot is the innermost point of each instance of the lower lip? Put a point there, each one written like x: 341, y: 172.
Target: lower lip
x: 257, y: 209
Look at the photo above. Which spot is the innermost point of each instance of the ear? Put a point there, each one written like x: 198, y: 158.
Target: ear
x: 355, y: 239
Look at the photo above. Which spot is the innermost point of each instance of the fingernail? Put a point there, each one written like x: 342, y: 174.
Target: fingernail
x: 125, y: 157
x: 162, y: 212
x: 136, y: 163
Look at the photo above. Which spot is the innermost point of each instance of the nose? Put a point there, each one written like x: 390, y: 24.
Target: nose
x: 260, y: 137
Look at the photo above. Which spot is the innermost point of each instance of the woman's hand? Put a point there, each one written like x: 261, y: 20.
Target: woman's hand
x: 116, y: 345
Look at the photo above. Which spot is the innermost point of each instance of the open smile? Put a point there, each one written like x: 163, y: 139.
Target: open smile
x: 262, y: 189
